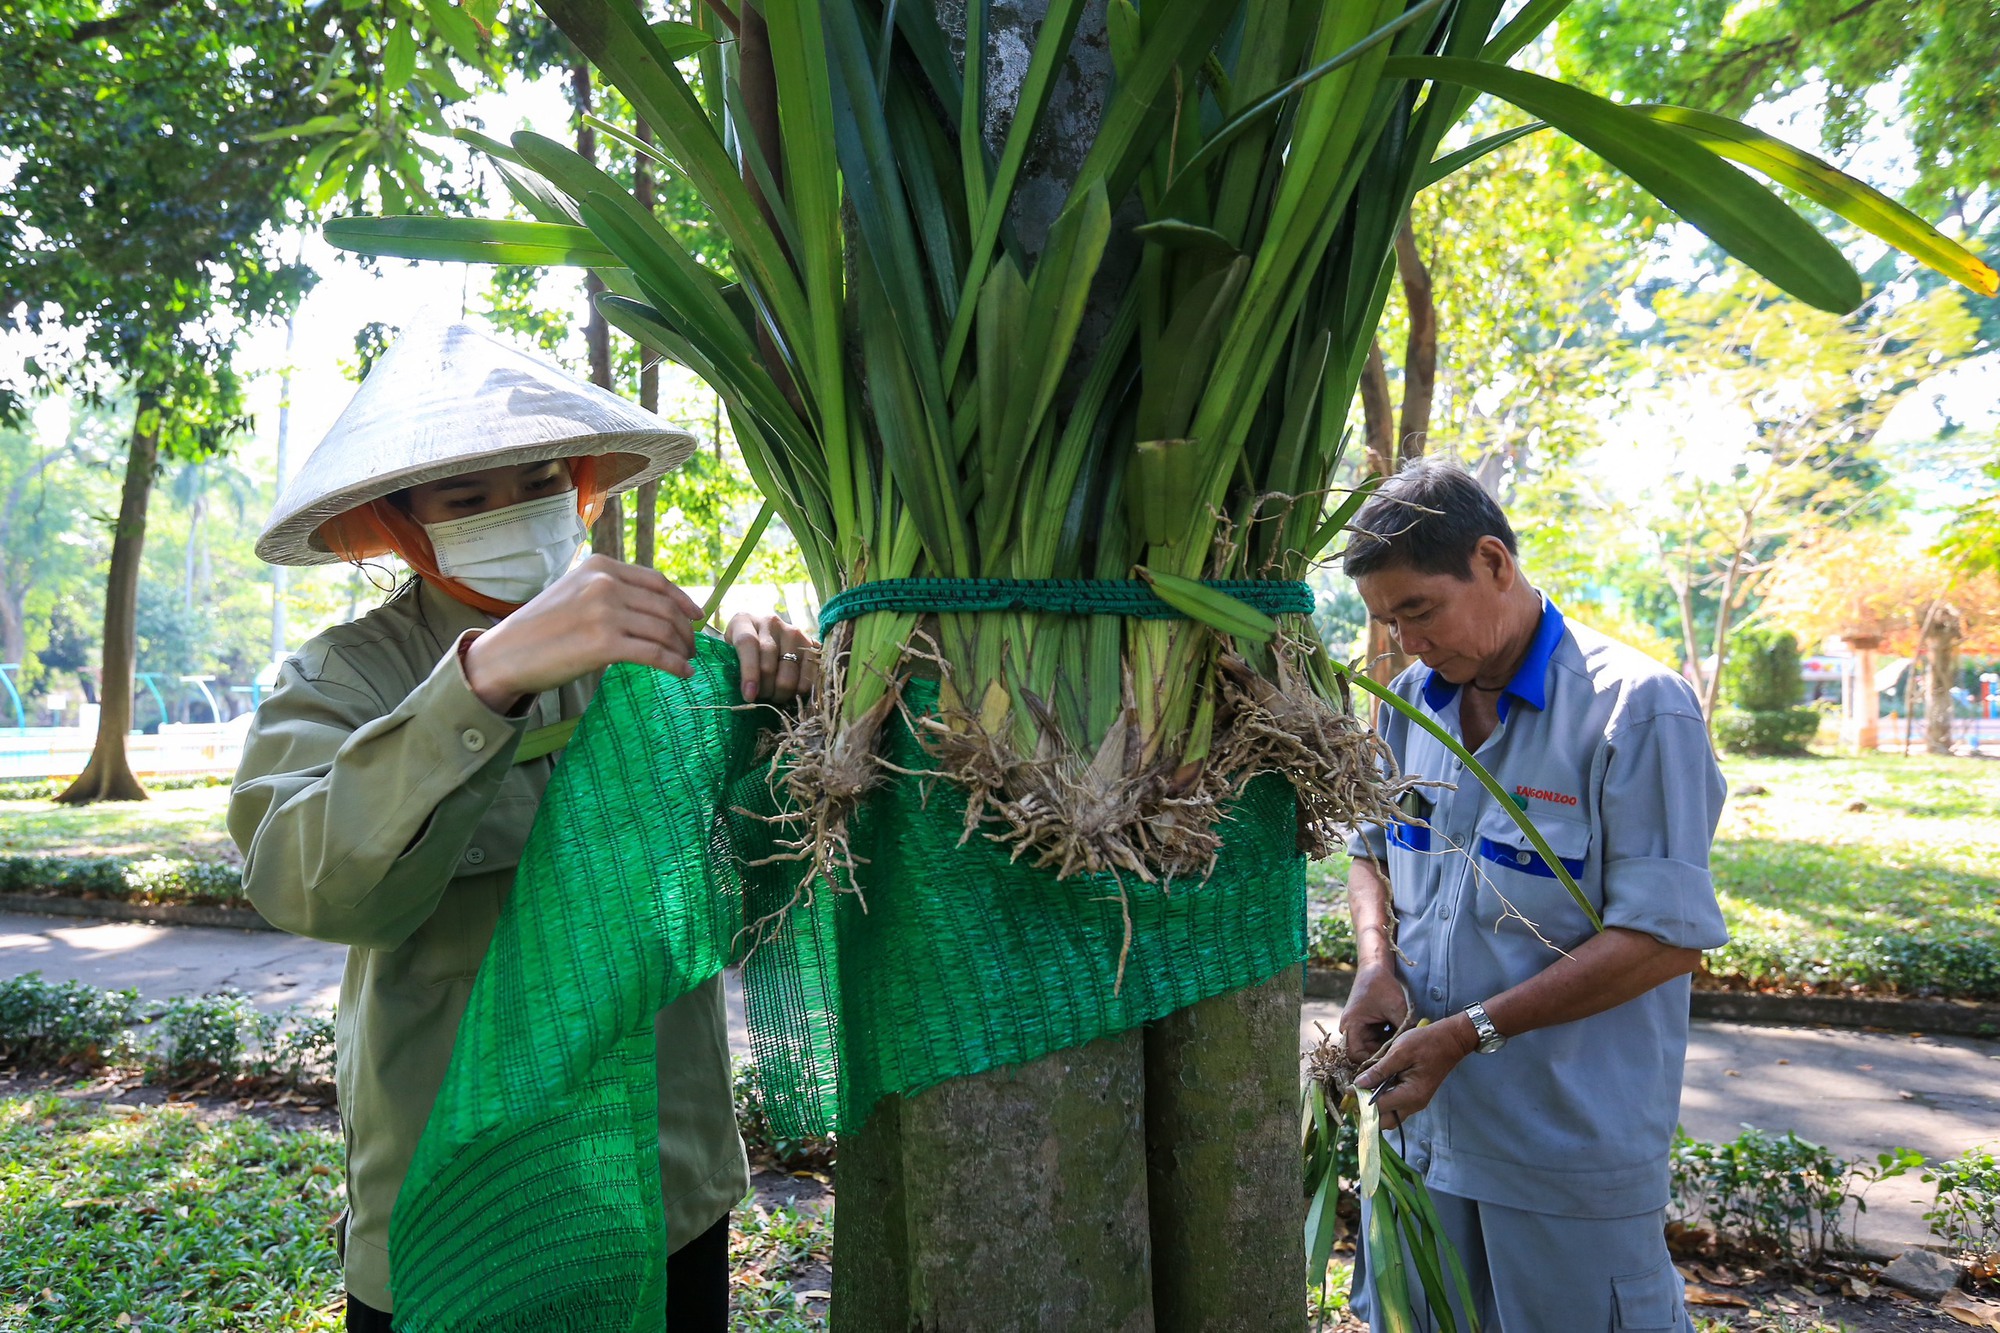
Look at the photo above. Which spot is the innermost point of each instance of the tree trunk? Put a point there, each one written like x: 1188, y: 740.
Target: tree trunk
x: 646, y: 504
x: 1392, y: 440
x: 280, y: 576
x: 1942, y: 631
x: 1420, y: 349
x: 1021, y: 1198
x: 193, y: 553
x: 607, y: 534
x: 1711, y: 695
x: 1378, y: 413
x: 13, y: 624
x: 1025, y: 1195
x: 1222, y: 1161
x: 108, y: 775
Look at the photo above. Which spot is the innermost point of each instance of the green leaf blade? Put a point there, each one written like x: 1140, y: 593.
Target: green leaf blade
x: 1731, y: 209
x: 1825, y: 184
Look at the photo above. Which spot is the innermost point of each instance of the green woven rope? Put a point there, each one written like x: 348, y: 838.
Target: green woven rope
x: 1070, y: 597
x: 533, y: 1202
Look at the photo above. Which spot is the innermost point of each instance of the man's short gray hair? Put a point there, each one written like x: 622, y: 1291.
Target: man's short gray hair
x: 1429, y: 517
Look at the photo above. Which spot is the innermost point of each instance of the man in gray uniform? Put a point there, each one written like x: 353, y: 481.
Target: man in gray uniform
x: 1540, y: 1099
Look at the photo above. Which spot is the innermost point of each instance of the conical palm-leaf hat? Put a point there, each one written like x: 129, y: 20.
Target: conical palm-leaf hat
x: 452, y: 399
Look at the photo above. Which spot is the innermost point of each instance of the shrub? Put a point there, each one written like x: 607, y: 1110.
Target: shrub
x: 296, y: 1048
x: 1781, y: 1198
x: 1964, y: 968
x: 58, y: 1022
x: 1330, y: 937
x: 1763, y: 687
x: 150, y: 879
x: 45, y: 1023
x: 1782, y: 731
x: 1966, y: 1214
x: 162, y: 877
x: 207, y: 1034
x: 1763, y: 671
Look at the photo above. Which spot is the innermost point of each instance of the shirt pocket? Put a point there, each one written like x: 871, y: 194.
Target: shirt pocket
x: 1514, y: 879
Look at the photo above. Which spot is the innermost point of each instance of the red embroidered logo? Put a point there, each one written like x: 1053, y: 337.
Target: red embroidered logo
x: 1555, y: 797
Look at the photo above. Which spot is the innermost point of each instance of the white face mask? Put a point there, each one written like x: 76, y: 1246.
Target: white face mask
x: 513, y: 553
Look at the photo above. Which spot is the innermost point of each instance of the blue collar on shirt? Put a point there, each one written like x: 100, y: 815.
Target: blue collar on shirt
x: 1530, y: 683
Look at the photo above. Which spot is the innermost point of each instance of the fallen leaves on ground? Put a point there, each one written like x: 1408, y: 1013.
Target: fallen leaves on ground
x: 1971, y: 1310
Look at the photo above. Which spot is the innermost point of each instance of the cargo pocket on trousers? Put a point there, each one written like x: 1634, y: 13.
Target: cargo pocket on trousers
x: 1648, y: 1301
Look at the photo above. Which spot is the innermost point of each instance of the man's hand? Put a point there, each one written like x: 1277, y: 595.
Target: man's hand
x: 1376, y: 1006
x: 1409, y: 1072
x: 600, y: 612
x: 779, y: 662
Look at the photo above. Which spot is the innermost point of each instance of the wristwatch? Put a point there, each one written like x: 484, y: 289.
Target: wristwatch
x: 1490, y: 1039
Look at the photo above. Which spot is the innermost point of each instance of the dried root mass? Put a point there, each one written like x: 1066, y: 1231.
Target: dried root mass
x: 1108, y: 811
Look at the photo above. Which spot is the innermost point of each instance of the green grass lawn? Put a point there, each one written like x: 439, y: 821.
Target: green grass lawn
x: 169, y: 823
x: 1923, y: 856
x: 156, y: 1218
x: 166, y: 1217
x: 1900, y: 896
x: 1879, y: 873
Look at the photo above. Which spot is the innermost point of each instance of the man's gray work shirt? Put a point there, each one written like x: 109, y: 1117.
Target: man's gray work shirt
x: 1606, y: 752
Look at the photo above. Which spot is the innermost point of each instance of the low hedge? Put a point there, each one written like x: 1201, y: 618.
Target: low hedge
x: 46, y: 1024
x: 151, y: 879
x: 1965, y: 968
x: 47, y: 789
x: 1961, y: 968
x: 71, y: 1024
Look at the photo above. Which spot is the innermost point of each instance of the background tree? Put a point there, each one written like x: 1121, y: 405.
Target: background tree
x: 1773, y: 409
x: 1972, y: 540
x: 140, y: 218
x: 1931, y: 56
x: 1880, y: 591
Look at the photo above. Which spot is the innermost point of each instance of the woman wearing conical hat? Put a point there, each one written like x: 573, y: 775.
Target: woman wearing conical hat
x: 379, y: 803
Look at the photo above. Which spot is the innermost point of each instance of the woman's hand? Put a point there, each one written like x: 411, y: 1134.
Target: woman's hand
x: 600, y: 612
x: 779, y: 662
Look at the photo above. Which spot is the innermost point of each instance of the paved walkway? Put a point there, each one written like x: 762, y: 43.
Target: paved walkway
x: 1856, y: 1092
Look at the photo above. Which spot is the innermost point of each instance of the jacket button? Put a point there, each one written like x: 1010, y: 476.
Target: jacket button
x: 1520, y: 858
x: 475, y: 739
x: 475, y: 856
x: 1437, y: 992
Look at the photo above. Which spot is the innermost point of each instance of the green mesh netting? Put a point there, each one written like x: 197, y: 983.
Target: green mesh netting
x: 533, y: 1202
x: 1129, y: 598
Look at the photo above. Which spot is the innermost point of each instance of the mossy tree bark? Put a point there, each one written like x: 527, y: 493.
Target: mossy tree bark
x: 1222, y: 1162
x: 108, y: 776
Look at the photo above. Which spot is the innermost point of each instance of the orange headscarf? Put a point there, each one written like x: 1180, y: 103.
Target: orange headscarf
x: 379, y: 528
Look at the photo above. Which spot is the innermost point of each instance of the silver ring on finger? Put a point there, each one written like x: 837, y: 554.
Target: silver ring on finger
x: 788, y: 657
